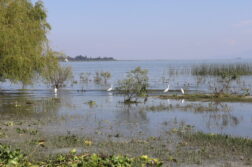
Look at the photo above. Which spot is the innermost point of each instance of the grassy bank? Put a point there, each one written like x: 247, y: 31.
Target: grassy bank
x: 206, y: 147
x: 175, y: 145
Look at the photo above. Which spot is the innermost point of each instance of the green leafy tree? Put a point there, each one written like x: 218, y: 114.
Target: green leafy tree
x: 134, y: 85
x: 23, y: 41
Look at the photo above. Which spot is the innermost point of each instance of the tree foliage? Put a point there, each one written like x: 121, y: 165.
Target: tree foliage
x: 134, y: 85
x: 23, y: 41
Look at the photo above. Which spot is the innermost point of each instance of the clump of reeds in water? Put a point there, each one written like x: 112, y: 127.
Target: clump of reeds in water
x: 220, y: 69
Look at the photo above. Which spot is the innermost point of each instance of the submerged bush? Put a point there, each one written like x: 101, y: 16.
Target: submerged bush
x: 84, y: 80
x: 225, y: 77
x: 58, y: 76
x: 134, y: 85
x: 106, y: 76
x: 84, y: 77
x: 97, y: 78
x: 102, y: 77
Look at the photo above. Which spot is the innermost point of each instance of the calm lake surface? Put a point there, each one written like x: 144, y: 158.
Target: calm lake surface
x: 68, y: 111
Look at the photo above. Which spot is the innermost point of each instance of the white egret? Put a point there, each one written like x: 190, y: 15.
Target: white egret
x: 167, y: 89
x: 182, y: 91
x: 110, y: 89
x: 55, y: 90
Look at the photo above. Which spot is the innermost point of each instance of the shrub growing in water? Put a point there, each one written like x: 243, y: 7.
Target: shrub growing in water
x: 105, y: 76
x: 102, y: 77
x: 134, y: 85
x: 56, y: 76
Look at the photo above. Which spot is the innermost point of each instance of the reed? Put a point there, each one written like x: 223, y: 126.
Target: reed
x: 222, y: 69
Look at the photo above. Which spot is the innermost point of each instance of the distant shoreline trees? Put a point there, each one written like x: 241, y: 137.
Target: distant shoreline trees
x: 85, y: 58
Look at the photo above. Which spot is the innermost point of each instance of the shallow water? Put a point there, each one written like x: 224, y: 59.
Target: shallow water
x: 69, y: 111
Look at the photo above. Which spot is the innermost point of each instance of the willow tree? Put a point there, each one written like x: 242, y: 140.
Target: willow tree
x: 23, y: 40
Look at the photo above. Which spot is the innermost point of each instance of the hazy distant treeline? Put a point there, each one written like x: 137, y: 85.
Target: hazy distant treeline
x: 85, y: 58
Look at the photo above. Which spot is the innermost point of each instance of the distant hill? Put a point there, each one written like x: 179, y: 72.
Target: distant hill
x: 85, y: 58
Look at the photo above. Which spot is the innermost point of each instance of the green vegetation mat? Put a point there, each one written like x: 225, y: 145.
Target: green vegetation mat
x: 9, y: 158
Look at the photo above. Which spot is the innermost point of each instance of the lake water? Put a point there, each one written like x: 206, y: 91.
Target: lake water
x: 69, y: 110
x: 158, y: 72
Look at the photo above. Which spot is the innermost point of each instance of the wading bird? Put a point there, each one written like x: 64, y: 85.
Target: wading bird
x: 110, y: 89
x: 167, y: 89
x: 182, y: 91
x: 55, y: 90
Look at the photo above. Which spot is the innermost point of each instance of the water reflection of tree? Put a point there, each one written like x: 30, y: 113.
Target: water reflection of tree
x: 131, y: 114
x: 24, y: 105
x: 132, y: 118
x: 219, y: 115
x: 222, y: 120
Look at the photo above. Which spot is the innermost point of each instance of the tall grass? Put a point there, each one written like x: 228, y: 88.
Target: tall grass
x: 220, y: 69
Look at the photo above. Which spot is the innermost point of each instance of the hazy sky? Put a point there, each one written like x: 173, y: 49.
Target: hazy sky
x: 152, y: 29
